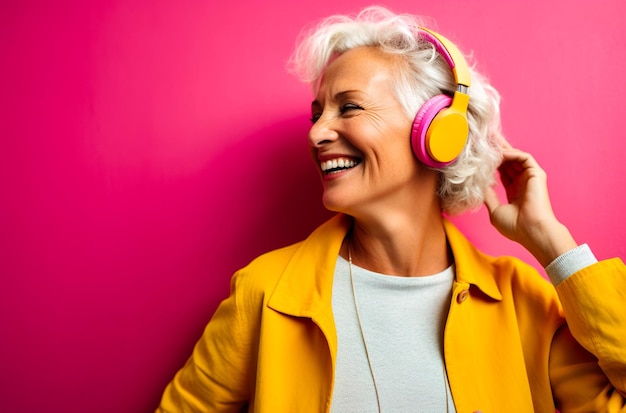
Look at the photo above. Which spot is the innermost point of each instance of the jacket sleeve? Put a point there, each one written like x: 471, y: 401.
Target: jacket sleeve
x: 592, y: 378
x: 216, y: 376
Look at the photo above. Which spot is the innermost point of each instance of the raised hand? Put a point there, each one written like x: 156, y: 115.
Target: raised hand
x: 527, y: 217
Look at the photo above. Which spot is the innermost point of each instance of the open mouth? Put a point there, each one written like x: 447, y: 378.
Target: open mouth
x: 338, y: 165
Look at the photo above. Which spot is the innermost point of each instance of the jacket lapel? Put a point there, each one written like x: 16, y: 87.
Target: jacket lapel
x: 305, y: 286
x: 472, y: 266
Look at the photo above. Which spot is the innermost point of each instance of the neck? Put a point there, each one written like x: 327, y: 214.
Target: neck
x: 400, y: 244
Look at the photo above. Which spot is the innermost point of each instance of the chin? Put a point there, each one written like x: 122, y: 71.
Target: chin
x: 338, y: 204
x: 332, y: 204
x: 331, y: 207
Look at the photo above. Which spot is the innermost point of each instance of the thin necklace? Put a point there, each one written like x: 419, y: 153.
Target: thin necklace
x: 358, y: 317
x: 367, y: 354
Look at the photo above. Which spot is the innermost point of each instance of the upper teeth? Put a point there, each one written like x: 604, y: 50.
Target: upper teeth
x: 337, y: 163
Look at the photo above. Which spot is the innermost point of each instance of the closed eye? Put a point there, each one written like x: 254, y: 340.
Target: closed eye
x: 348, y: 107
x: 315, y: 117
x: 343, y: 110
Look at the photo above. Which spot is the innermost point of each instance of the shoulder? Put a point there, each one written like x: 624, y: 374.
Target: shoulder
x: 264, y: 271
x: 475, y: 266
x: 527, y: 293
x: 520, y: 276
x: 298, y: 263
x: 518, y: 293
x: 502, y: 278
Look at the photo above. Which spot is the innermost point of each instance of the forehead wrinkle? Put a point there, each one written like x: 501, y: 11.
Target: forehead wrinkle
x: 341, y: 75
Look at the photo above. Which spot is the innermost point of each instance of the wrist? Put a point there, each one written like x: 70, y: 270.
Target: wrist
x: 549, y: 241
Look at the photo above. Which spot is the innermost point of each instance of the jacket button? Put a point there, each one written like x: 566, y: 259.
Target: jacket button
x: 462, y: 296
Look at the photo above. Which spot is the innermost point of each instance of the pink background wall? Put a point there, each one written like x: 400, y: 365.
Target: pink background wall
x: 150, y: 150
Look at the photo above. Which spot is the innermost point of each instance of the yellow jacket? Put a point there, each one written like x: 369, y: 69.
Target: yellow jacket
x: 271, y: 346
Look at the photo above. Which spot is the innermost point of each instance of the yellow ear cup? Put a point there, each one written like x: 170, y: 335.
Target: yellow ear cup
x: 448, y: 132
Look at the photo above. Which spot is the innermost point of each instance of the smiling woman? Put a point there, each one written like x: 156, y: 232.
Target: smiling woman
x: 387, y: 306
x: 357, y: 118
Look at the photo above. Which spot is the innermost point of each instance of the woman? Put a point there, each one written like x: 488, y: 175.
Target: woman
x: 387, y: 307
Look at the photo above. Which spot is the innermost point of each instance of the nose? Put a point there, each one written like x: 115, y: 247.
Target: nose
x: 322, y: 133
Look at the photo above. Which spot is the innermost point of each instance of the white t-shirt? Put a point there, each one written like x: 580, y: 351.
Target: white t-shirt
x: 403, y: 320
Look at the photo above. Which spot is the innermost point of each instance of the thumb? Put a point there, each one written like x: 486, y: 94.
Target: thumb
x: 492, y: 201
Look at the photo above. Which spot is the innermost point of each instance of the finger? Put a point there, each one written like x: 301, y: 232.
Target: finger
x: 509, y: 171
x: 515, y: 163
x: 492, y: 201
x: 524, y: 159
x: 505, y: 144
x: 511, y: 151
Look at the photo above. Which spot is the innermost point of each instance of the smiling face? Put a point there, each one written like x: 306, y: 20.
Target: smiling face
x: 360, y: 137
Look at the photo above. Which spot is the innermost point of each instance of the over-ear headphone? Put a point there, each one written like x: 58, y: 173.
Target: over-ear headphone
x: 440, y: 128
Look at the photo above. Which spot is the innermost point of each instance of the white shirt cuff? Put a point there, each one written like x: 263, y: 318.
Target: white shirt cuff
x: 569, y: 263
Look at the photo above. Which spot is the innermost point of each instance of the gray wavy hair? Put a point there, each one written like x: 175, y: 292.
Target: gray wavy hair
x: 426, y: 74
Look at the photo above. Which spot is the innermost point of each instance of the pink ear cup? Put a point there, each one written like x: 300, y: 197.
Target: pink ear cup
x: 422, y: 121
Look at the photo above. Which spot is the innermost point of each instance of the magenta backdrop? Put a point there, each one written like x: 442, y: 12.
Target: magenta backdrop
x: 150, y: 150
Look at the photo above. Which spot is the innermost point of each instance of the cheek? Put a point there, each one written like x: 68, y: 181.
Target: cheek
x: 400, y: 157
x: 313, y: 153
x: 399, y: 146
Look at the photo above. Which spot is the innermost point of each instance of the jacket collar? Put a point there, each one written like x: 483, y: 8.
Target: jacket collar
x: 305, y: 286
x: 472, y: 266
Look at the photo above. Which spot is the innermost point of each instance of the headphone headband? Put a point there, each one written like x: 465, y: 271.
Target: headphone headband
x: 440, y: 129
x: 452, y: 54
